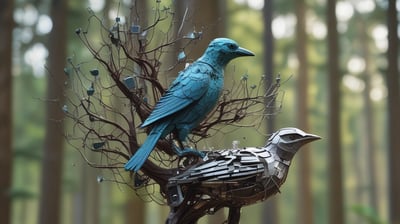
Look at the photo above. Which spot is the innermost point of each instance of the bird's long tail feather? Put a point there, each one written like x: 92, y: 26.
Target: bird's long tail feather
x: 141, y: 155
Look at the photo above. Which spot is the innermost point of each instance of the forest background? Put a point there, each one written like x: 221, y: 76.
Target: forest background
x: 338, y: 61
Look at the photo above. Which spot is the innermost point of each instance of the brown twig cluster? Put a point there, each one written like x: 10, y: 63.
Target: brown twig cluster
x: 109, y: 98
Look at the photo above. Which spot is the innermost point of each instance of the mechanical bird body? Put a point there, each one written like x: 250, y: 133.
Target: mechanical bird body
x: 191, y: 96
x: 234, y: 178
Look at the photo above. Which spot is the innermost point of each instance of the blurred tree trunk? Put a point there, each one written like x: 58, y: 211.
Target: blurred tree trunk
x: 6, y: 158
x: 53, y: 146
x: 208, y: 17
x: 270, y: 207
x: 305, y: 211
x: 135, y: 207
x: 335, y: 187
x: 268, y: 55
x: 394, y: 114
x: 369, y: 118
x: 90, y: 197
x: 180, y: 27
x: 135, y: 210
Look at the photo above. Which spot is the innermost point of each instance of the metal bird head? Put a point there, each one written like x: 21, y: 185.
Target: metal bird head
x: 289, y: 141
x: 223, y: 50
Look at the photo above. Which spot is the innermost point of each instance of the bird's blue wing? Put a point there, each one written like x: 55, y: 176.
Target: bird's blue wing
x: 188, y: 87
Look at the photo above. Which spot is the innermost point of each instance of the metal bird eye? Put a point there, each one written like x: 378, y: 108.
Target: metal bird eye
x: 289, y: 137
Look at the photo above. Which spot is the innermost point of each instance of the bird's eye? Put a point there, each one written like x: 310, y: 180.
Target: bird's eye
x: 289, y: 137
x: 232, y: 46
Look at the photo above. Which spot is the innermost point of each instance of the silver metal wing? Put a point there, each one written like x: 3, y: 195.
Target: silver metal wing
x: 238, y: 177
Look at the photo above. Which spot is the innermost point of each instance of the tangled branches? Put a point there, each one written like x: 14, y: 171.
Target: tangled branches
x: 109, y: 98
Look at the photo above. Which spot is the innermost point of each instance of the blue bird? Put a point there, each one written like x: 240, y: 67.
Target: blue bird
x: 191, y: 96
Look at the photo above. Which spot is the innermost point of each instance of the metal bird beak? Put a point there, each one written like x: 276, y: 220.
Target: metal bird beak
x: 286, y: 150
x: 244, y: 52
x: 310, y: 138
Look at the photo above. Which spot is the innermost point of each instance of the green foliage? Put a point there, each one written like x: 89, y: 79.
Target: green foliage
x: 22, y: 194
x: 28, y: 116
x: 368, y: 214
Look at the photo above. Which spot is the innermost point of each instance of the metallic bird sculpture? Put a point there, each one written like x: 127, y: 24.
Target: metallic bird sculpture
x: 234, y: 178
x: 189, y: 99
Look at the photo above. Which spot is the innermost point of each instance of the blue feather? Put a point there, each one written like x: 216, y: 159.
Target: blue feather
x: 191, y: 96
x: 137, y: 160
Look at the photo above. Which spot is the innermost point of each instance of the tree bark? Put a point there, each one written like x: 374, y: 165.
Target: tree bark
x: 305, y: 212
x: 6, y: 158
x: 336, y: 214
x: 270, y: 207
x: 53, y: 146
x: 135, y: 207
x: 208, y: 18
x: 394, y: 112
x: 370, y: 130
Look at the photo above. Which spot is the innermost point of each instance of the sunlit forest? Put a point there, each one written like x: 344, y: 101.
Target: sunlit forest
x: 338, y: 66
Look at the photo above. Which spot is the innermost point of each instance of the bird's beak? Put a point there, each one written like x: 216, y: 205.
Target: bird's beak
x: 310, y: 137
x: 244, y: 52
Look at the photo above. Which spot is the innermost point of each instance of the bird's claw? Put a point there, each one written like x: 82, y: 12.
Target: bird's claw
x: 188, y: 151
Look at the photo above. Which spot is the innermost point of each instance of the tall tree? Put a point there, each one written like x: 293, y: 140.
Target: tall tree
x: 394, y: 111
x: 205, y: 16
x: 136, y: 209
x: 53, y: 145
x: 305, y: 196
x: 208, y: 16
x: 369, y: 116
x: 334, y: 140
x: 6, y: 28
x: 270, y: 207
